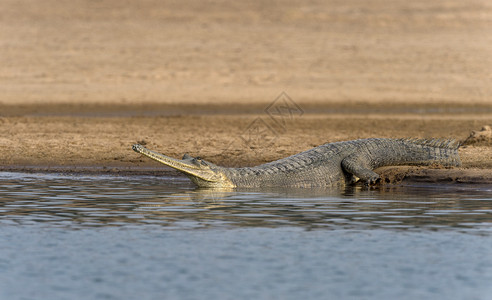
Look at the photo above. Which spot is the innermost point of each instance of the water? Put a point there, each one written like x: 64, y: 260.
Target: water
x: 116, y: 237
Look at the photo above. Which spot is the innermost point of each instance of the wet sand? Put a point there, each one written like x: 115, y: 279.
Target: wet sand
x: 239, y: 83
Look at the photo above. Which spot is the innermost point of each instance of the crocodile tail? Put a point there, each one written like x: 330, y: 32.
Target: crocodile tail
x: 451, y: 144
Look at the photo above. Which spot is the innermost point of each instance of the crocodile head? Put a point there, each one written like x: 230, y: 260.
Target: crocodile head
x: 202, y: 173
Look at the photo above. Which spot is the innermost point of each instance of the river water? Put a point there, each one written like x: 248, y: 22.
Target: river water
x: 146, y: 237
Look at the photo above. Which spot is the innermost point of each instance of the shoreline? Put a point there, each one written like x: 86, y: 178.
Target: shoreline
x: 390, y: 175
x: 72, y: 142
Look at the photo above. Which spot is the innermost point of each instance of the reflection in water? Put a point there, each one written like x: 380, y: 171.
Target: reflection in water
x: 83, y: 201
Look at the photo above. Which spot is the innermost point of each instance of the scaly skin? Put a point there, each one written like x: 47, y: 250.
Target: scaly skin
x: 333, y: 164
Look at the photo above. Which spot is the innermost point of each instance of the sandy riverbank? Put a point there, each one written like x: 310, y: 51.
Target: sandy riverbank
x: 83, y: 143
x: 81, y: 81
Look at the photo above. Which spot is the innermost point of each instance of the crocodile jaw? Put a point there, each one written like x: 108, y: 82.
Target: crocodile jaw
x: 203, y: 176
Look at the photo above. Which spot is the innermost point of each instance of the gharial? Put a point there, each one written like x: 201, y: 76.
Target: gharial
x: 327, y: 165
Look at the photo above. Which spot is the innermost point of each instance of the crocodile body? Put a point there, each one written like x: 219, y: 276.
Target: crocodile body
x: 331, y: 164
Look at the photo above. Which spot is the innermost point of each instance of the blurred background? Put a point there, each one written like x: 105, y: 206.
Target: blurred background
x: 227, y: 52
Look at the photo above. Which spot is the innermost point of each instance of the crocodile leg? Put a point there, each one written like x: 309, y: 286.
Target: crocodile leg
x: 353, y: 165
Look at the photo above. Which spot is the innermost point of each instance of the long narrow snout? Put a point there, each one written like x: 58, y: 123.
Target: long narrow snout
x: 202, y: 175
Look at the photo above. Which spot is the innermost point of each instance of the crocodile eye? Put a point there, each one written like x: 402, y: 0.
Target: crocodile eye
x: 198, y: 162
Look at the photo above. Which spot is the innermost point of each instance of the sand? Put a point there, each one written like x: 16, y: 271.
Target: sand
x: 239, y: 83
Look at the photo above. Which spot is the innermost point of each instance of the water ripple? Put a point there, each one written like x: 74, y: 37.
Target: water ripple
x: 86, y: 201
